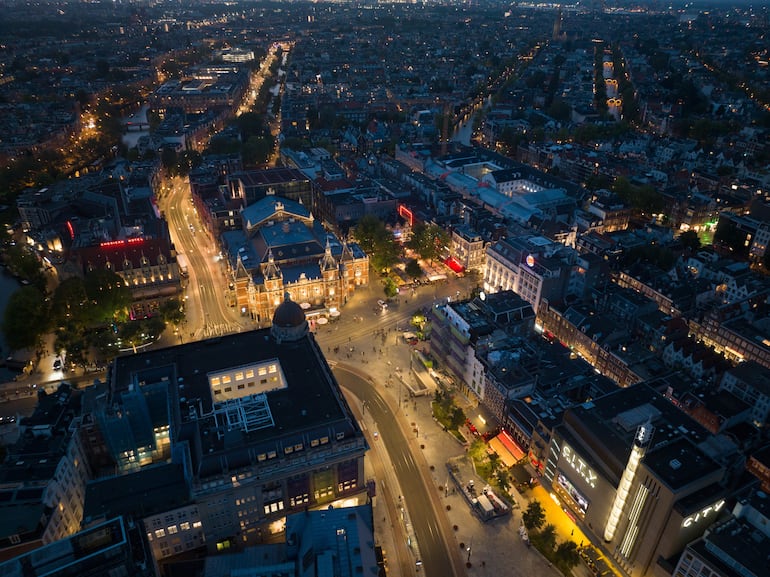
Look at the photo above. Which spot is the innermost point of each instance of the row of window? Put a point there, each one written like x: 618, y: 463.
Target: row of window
x: 243, y: 386
x: 241, y: 375
x: 174, y: 529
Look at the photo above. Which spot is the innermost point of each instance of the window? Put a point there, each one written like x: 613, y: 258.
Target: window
x: 14, y: 539
x: 250, y: 374
x: 314, y: 443
x: 184, y: 526
x: 160, y: 533
x: 241, y: 386
x: 226, y: 379
x: 228, y: 389
x: 239, y: 376
x: 197, y: 524
x: 173, y: 529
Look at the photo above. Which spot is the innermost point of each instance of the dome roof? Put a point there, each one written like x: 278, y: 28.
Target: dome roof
x: 288, y: 314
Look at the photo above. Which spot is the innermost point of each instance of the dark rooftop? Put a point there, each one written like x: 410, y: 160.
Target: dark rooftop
x: 145, y: 492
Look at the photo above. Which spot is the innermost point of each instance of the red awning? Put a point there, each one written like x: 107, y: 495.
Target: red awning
x: 454, y: 265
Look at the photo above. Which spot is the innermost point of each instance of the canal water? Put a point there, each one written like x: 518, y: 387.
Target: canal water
x: 8, y: 285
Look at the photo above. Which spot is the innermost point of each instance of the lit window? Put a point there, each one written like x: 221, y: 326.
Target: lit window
x: 160, y: 533
x: 173, y: 529
x: 215, y: 381
x: 250, y: 374
x: 184, y: 526
x: 273, y: 368
x: 239, y: 376
x: 226, y: 379
x: 197, y: 525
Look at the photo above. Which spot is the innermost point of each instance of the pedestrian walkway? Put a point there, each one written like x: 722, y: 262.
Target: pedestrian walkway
x: 486, y: 547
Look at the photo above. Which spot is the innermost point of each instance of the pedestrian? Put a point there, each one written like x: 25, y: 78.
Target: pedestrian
x: 571, y: 533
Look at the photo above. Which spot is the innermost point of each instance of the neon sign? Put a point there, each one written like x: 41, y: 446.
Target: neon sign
x: 703, y: 513
x: 579, y: 465
x: 117, y: 243
x: 406, y: 213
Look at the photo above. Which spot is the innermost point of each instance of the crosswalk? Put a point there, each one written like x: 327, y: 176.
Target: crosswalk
x: 216, y: 330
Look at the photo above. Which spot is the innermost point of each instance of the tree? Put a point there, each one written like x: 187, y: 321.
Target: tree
x: 26, y: 318
x: 366, y: 231
x: 172, y: 311
x: 428, y: 240
x: 690, y: 240
x: 23, y: 263
x: 534, y: 516
x: 545, y: 539
x: 68, y: 304
x: 413, y: 268
x: 390, y: 288
x: 567, y: 556
x: 377, y: 241
x: 108, y: 295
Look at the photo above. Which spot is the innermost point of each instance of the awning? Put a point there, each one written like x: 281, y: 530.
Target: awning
x: 505, y: 455
x: 452, y: 263
x: 511, y: 445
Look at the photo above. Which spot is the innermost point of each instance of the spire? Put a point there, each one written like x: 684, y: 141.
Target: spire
x: 328, y: 262
x: 272, y: 271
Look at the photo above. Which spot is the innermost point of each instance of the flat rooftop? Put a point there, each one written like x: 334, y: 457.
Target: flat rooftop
x: 606, y: 427
x: 307, y: 406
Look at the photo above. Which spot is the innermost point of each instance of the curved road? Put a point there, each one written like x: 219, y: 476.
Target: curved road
x: 421, y: 502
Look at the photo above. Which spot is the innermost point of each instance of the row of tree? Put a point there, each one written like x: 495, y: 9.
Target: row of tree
x: 564, y: 555
x: 82, y: 313
x: 376, y: 239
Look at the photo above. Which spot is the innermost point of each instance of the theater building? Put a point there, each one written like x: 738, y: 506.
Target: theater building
x: 281, y: 249
x: 640, y: 477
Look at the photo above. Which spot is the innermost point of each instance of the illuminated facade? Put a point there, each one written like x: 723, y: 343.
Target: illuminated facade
x: 284, y: 249
x: 641, y: 496
x: 148, y: 267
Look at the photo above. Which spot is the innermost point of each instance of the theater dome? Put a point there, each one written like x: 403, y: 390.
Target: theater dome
x: 289, y: 322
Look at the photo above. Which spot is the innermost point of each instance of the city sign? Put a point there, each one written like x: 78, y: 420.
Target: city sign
x: 530, y: 260
x: 579, y: 465
x: 703, y: 513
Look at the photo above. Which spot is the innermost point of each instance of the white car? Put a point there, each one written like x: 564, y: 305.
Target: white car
x: 382, y: 304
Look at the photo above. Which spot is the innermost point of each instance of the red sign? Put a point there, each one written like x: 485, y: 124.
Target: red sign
x: 118, y: 243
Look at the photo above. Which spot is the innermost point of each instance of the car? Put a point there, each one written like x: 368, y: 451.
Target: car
x: 57, y: 364
x: 376, y: 435
x: 382, y: 304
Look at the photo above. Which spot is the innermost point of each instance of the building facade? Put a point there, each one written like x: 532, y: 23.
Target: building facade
x: 282, y: 249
